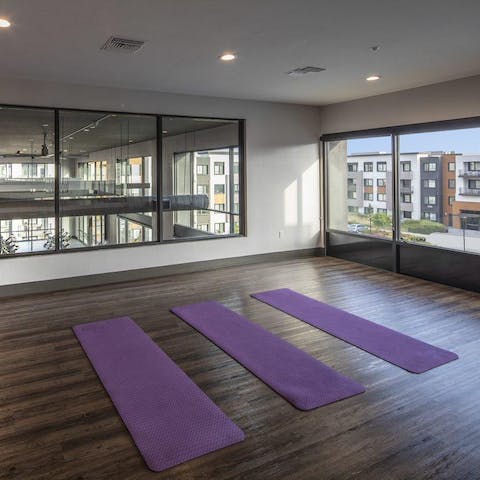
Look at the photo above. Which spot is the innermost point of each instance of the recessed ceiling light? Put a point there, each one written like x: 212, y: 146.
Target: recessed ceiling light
x: 373, y: 78
x: 228, y: 57
x: 4, y: 23
x: 164, y: 131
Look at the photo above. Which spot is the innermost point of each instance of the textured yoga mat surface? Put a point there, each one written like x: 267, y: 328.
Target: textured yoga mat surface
x: 301, y: 379
x: 170, y: 419
x: 394, y: 347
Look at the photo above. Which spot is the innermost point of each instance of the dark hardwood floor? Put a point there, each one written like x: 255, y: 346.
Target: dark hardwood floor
x: 57, y: 422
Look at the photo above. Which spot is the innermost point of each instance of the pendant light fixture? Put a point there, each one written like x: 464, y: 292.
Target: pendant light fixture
x: 44, y: 146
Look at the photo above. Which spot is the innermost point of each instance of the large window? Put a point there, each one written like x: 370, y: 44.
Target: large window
x: 445, y: 197
x: 437, y: 202
x: 100, y: 188
x: 206, y: 204
x: 27, y: 180
x: 360, y: 202
x: 107, y: 188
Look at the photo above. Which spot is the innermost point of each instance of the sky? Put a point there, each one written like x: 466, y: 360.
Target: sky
x: 460, y: 141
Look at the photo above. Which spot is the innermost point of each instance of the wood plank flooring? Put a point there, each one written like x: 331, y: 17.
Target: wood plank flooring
x: 57, y: 422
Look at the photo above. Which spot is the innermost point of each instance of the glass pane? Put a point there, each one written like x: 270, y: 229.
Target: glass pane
x: 201, y: 177
x: 27, y: 173
x: 107, y: 191
x: 360, y: 186
x: 440, y: 194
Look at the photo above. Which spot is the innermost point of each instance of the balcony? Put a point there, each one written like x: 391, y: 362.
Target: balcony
x: 473, y: 192
x: 469, y: 173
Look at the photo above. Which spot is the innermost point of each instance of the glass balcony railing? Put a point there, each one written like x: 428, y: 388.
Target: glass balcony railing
x: 469, y: 191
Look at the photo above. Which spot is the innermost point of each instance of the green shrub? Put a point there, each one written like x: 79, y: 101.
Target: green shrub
x: 381, y: 220
x: 423, y: 226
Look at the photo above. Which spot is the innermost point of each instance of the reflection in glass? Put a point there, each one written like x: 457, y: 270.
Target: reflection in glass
x: 201, y: 178
x: 27, y: 173
x: 107, y: 188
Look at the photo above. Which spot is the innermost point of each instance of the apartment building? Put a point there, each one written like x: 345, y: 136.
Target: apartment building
x: 466, y: 206
x: 437, y: 186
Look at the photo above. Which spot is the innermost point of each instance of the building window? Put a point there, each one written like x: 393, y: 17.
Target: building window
x: 430, y: 167
x: 202, y: 189
x: 406, y: 166
x: 451, y: 200
x: 382, y: 210
x: 406, y: 214
x: 430, y: 216
x: 406, y: 184
x: 352, y: 195
x: 352, y: 167
x: 406, y: 198
x: 451, y: 166
x: 219, y: 168
x: 202, y: 169
x: 368, y: 182
x: 352, y: 209
x: 381, y: 197
x: 381, y: 166
x: 474, y: 184
x: 473, y: 166
x: 219, y: 206
x: 430, y: 200
x: 381, y: 182
x: 203, y: 227
x: 430, y: 183
x: 451, y: 183
x: 368, y: 166
x: 368, y: 196
x: 219, y: 228
x: 219, y: 188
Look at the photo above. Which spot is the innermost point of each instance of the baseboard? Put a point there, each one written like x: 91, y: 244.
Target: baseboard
x: 83, y: 281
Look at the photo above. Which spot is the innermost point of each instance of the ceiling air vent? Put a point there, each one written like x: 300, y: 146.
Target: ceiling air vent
x: 117, y: 44
x: 298, y: 72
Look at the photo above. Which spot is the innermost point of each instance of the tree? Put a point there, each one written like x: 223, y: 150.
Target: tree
x: 381, y: 220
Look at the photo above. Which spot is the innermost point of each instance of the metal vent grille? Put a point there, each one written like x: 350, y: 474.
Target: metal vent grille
x: 125, y: 45
x: 297, y: 72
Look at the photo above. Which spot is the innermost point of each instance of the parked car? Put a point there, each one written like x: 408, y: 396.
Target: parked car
x: 357, y: 228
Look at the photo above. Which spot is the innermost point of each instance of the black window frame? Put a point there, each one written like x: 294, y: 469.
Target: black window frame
x: 160, y: 162
x: 416, y: 259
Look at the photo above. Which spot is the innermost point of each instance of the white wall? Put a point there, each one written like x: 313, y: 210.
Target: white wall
x: 282, y: 179
x: 442, y: 101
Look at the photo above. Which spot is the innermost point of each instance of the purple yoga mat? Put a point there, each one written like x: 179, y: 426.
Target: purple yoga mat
x: 301, y: 379
x: 394, y: 347
x: 170, y: 419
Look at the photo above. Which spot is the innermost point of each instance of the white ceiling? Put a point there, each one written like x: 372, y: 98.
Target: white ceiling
x: 422, y: 42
